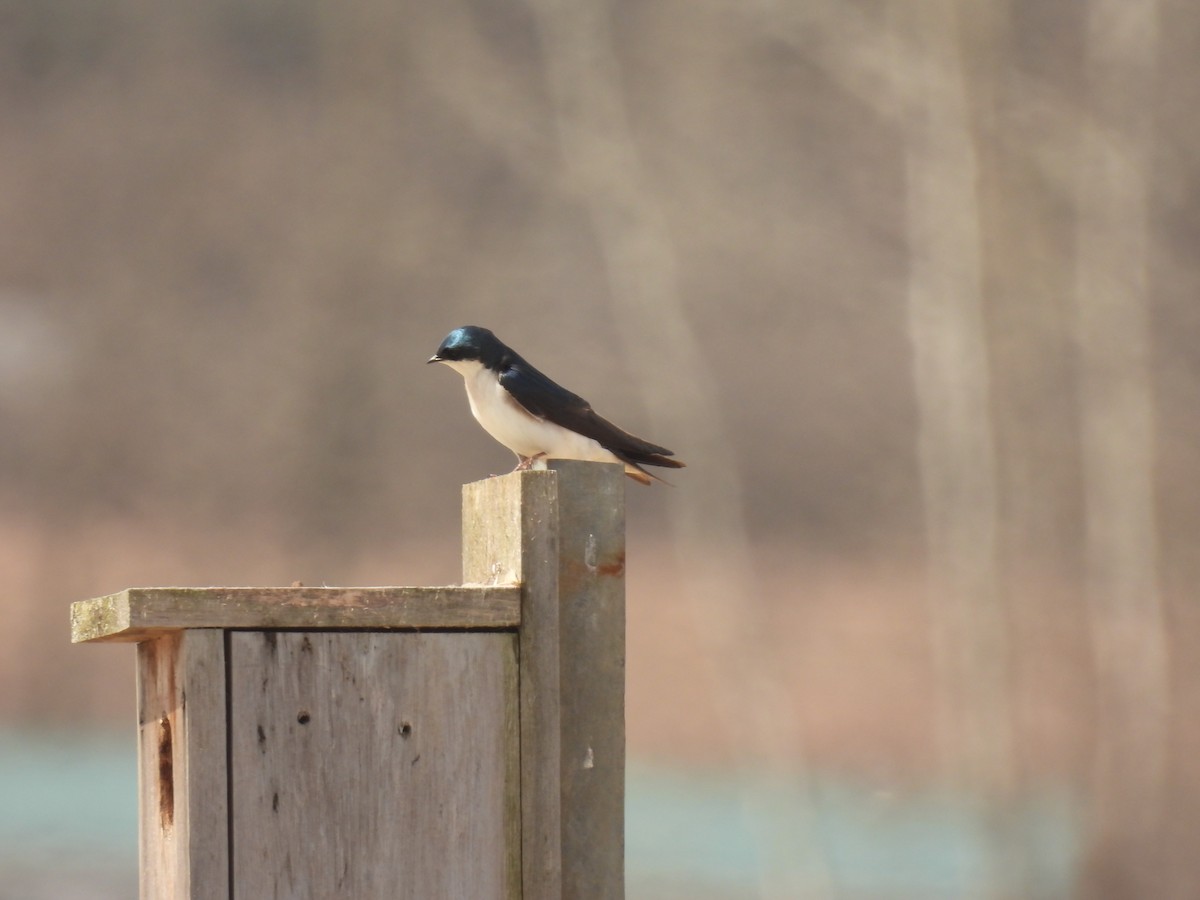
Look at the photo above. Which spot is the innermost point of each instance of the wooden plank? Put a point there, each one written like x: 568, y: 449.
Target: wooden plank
x: 591, y: 588
x: 510, y: 533
x: 139, y: 613
x: 560, y: 533
x: 373, y: 765
x: 183, y: 833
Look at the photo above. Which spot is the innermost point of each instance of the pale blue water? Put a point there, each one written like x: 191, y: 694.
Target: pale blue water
x: 728, y: 835
x: 68, y: 831
x: 68, y: 816
x: 68, y: 790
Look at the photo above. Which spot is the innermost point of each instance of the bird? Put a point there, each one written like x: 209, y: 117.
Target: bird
x: 533, y: 416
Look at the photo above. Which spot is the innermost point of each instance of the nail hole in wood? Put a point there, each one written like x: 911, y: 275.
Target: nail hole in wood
x: 304, y: 718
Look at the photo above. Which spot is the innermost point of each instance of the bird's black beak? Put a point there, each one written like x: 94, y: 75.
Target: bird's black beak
x: 434, y: 358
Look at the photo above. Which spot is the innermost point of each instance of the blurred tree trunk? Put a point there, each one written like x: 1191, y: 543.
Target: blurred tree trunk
x: 1112, y: 299
x: 957, y: 454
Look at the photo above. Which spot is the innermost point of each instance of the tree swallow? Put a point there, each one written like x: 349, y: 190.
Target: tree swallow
x: 534, y: 417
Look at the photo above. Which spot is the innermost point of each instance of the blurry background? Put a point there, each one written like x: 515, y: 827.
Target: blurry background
x: 912, y: 288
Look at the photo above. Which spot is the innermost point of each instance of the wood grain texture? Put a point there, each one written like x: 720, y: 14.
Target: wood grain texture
x: 183, y: 836
x: 510, y: 533
x: 591, y: 597
x: 373, y: 765
x: 560, y: 532
x: 139, y: 613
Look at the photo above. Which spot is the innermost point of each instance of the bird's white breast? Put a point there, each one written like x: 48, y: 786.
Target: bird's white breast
x: 514, y: 427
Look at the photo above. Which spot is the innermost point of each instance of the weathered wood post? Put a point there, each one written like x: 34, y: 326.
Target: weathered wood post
x: 394, y: 742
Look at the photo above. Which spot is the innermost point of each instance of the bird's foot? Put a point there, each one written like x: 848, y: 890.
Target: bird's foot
x: 527, y: 462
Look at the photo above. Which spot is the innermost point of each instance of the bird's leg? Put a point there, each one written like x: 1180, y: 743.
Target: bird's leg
x: 526, y: 462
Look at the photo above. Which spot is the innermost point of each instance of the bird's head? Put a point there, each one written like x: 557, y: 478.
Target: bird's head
x: 468, y: 344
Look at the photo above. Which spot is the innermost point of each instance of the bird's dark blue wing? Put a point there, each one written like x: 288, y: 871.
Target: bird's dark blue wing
x: 547, y: 400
